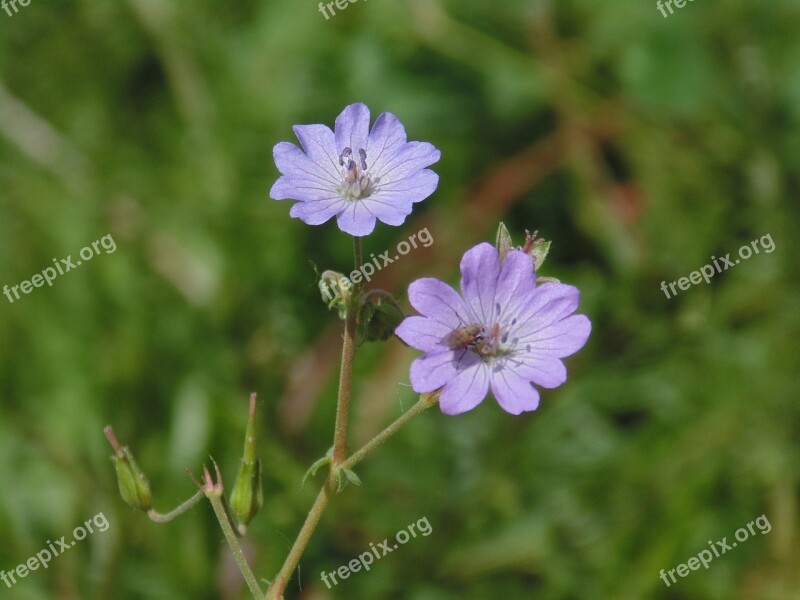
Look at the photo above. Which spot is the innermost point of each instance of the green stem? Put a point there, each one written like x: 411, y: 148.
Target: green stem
x: 423, y: 403
x: 346, y: 369
x: 275, y: 591
x: 233, y: 542
x: 166, y: 518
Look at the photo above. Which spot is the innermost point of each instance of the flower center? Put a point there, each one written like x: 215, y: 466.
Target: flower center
x: 356, y: 180
x: 493, y: 343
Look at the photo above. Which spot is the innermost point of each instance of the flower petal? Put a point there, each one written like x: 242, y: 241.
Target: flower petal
x: 405, y: 162
x: 391, y: 213
x: 320, y: 147
x: 542, y: 369
x: 356, y: 219
x: 513, y: 393
x: 548, y: 304
x: 516, y: 283
x: 424, y: 334
x: 431, y: 371
x: 387, y: 137
x: 297, y: 188
x: 480, y: 268
x: 438, y: 301
x: 560, y: 339
x: 318, y: 211
x: 352, y: 128
x: 412, y: 189
x: 466, y: 390
x: 292, y: 161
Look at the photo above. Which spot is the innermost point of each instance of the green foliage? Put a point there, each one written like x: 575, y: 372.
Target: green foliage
x: 640, y: 145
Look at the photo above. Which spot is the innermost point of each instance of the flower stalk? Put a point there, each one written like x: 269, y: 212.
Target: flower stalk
x: 213, y: 491
x: 346, y: 369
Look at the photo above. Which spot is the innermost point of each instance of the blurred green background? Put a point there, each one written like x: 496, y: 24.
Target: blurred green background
x: 641, y: 145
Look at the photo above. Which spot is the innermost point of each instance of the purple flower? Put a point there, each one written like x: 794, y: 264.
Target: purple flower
x: 505, y: 333
x: 354, y: 174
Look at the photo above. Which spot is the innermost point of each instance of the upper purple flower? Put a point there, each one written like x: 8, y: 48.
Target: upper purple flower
x: 356, y: 174
x: 504, y: 334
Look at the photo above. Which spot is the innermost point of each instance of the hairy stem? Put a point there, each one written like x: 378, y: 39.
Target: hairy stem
x: 423, y: 403
x: 346, y: 369
x: 173, y: 514
x: 275, y: 591
x: 233, y: 543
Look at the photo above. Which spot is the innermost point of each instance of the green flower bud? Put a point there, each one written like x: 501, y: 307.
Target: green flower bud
x: 133, y: 485
x: 336, y: 291
x: 247, y: 496
x: 378, y: 316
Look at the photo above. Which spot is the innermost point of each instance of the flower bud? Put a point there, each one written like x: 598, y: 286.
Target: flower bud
x: 378, y: 316
x: 133, y: 485
x: 247, y: 496
x: 335, y: 289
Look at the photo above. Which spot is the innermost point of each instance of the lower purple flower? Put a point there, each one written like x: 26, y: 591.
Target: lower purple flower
x: 505, y: 334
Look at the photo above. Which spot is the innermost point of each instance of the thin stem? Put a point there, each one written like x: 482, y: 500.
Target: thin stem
x: 233, y: 543
x: 346, y: 369
x: 166, y: 518
x: 368, y: 448
x: 275, y: 591
x: 357, y: 252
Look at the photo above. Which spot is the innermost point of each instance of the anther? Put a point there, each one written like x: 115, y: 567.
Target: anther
x: 345, y: 154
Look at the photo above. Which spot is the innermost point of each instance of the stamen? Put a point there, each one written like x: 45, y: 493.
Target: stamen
x: 345, y: 154
x: 356, y: 180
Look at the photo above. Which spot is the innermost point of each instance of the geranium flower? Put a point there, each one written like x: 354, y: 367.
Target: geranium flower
x: 505, y: 334
x: 354, y: 174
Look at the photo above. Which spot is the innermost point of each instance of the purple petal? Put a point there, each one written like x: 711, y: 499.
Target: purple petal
x: 292, y: 161
x: 387, y: 212
x: 356, y: 219
x: 431, y: 371
x: 304, y: 189
x: 387, y: 137
x: 438, y: 301
x: 317, y: 212
x: 412, y: 189
x: 466, y: 390
x: 515, y: 285
x: 541, y: 369
x: 423, y: 334
x: 547, y: 304
x: 513, y: 393
x: 408, y: 160
x: 352, y: 128
x: 560, y: 339
x: 480, y: 269
x: 319, y: 144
